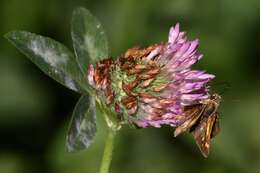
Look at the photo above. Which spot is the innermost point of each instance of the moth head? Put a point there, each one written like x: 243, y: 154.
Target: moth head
x: 216, y: 98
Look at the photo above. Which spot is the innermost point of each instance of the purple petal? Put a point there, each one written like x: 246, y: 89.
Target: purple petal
x: 91, y: 75
x: 174, y: 33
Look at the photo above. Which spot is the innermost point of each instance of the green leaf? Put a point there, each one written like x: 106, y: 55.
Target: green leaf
x: 83, y: 125
x: 51, y: 57
x: 89, y: 39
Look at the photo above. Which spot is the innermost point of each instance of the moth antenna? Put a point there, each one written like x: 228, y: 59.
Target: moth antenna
x: 226, y: 87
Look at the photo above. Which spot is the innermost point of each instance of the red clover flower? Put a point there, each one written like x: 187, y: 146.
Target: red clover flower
x: 151, y: 86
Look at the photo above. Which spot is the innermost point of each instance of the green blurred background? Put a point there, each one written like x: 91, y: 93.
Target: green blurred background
x: 35, y: 110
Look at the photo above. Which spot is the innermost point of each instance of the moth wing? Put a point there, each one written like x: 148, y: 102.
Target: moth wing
x: 193, y: 114
x: 202, y: 133
x: 216, y: 126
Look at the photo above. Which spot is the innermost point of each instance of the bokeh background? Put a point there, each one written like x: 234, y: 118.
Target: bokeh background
x: 35, y: 110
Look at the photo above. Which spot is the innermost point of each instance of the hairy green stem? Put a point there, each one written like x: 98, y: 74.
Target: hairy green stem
x: 108, y: 151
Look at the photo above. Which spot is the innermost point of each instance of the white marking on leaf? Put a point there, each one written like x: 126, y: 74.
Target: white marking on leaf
x: 49, y: 55
x: 70, y: 83
x: 93, y: 51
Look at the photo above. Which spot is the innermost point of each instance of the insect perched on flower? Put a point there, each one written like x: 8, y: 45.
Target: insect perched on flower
x: 203, y: 121
x: 155, y: 86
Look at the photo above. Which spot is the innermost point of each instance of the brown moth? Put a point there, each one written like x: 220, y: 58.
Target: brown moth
x: 202, y: 121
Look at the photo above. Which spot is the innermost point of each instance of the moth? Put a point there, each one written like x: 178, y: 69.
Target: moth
x: 202, y: 120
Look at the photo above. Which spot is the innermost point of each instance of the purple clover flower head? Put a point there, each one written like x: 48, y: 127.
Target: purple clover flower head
x: 151, y: 86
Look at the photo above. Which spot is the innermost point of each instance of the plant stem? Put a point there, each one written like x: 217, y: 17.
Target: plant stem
x: 107, y: 155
